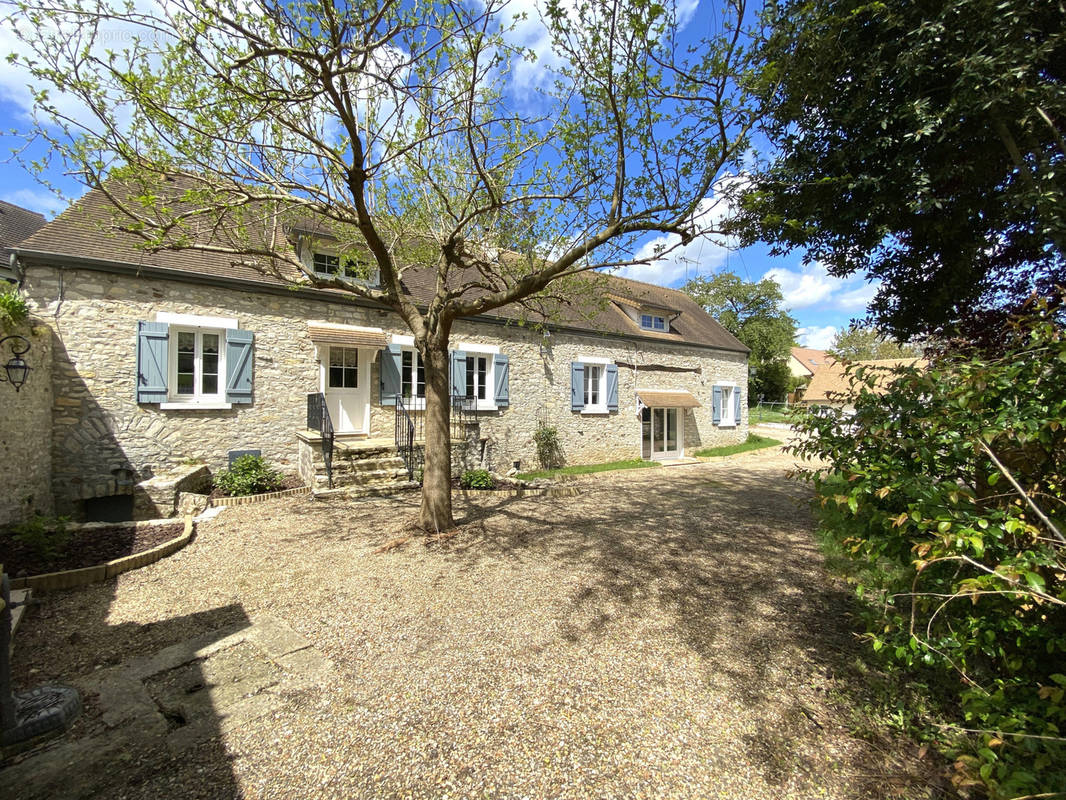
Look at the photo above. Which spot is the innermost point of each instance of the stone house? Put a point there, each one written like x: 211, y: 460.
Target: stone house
x: 163, y: 359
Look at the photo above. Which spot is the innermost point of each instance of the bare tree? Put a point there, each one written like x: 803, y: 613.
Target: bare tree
x: 400, y: 128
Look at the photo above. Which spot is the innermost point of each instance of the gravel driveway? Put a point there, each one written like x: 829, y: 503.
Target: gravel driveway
x: 667, y: 633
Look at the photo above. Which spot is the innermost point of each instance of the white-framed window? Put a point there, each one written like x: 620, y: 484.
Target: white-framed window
x: 727, y: 405
x: 480, y: 364
x: 652, y: 322
x: 197, y: 365
x: 196, y: 360
x: 343, y: 372
x: 594, y: 390
x: 412, y: 375
x: 594, y: 384
x: 479, y: 377
x: 326, y: 263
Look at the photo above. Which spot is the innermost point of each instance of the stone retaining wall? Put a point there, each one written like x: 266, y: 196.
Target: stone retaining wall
x: 26, y: 430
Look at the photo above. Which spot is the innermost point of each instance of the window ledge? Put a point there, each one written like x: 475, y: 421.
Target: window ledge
x: 213, y: 406
x: 598, y: 411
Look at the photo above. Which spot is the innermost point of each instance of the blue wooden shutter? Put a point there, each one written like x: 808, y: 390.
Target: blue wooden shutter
x: 716, y: 405
x: 612, y: 387
x: 736, y: 406
x: 152, y: 350
x: 458, y: 373
x: 501, y: 370
x: 577, y: 386
x: 390, y: 375
x: 239, y: 363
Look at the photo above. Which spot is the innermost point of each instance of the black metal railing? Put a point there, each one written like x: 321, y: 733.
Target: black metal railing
x: 318, y: 419
x: 410, y: 427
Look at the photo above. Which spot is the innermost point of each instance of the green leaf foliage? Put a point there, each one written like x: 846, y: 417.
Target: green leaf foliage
x: 13, y: 308
x: 858, y: 343
x: 920, y: 144
x: 752, y: 311
x: 248, y: 475
x: 958, y: 571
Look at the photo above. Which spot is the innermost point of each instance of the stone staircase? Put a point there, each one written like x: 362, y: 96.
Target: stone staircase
x: 363, y: 467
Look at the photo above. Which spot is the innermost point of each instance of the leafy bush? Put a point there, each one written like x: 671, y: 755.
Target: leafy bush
x: 248, y: 475
x: 549, y: 453
x: 46, y: 538
x: 477, y: 479
x: 13, y: 308
x: 949, y: 494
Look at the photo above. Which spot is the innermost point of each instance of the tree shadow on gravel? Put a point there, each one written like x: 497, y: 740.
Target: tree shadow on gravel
x: 733, y: 563
x: 122, y: 745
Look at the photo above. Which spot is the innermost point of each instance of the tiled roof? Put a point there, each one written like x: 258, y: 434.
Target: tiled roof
x: 810, y: 358
x: 831, y: 379
x: 86, y: 230
x: 16, y: 223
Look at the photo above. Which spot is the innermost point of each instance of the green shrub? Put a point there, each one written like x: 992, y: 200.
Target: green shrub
x: 248, y: 475
x: 13, y: 308
x: 549, y: 453
x: 477, y: 479
x: 46, y: 538
x: 958, y: 571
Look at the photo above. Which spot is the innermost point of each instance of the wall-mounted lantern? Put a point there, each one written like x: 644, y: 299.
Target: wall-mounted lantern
x: 16, y: 369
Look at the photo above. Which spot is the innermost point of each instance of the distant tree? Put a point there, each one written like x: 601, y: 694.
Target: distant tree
x: 859, y: 343
x: 921, y: 144
x: 752, y: 311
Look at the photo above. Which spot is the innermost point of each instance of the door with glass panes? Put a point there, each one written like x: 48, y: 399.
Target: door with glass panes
x: 346, y: 384
x: 661, y: 435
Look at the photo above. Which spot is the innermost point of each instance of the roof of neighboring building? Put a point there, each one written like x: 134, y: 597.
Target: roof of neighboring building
x: 17, y: 223
x: 86, y: 231
x: 811, y: 359
x: 831, y: 379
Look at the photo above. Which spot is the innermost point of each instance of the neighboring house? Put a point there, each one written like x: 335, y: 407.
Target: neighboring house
x: 16, y: 223
x: 803, y: 362
x: 831, y: 385
x: 163, y: 358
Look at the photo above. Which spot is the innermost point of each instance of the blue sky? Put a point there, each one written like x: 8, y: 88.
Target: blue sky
x: 820, y: 304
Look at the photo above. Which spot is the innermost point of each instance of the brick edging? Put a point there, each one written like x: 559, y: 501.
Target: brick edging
x: 244, y: 500
x: 73, y: 578
x: 542, y: 491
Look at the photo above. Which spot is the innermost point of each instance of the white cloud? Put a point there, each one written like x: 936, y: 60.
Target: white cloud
x: 39, y: 200
x: 815, y: 337
x: 812, y: 286
x: 705, y: 254
x: 532, y: 34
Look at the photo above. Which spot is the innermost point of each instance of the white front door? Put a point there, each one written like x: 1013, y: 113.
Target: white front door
x: 662, y: 433
x: 346, y: 384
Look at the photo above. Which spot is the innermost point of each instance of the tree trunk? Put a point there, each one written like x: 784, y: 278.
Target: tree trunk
x: 436, y: 512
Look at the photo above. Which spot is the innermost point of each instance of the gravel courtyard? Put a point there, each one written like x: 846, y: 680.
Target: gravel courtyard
x: 666, y: 633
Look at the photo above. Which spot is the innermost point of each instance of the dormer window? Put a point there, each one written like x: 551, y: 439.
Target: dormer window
x: 652, y: 322
x: 326, y: 264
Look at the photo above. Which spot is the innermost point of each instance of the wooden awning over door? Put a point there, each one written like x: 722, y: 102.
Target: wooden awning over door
x: 668, y: 399
x: 347, y: 335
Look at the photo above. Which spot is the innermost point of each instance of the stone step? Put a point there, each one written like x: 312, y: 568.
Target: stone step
x: 383, y: 490
x: 370, y: 478
x: 367, y: 464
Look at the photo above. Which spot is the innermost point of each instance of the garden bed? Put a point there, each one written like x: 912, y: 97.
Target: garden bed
x: 289, y: 482
x: 86, y: 546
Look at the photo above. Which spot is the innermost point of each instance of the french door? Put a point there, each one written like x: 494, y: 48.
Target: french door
x: 661, y: 433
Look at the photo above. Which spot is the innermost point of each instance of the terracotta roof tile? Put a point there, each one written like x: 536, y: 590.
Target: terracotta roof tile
x: 831, y: 379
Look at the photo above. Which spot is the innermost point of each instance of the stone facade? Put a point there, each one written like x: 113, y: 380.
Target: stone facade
x: 26, y: 431
x: 104, y: 442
